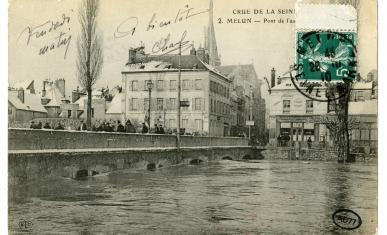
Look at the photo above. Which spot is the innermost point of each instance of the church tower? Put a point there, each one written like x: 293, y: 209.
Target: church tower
x: 210, y: 40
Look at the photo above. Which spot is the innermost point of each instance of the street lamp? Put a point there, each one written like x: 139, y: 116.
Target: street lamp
x: 149, y: 86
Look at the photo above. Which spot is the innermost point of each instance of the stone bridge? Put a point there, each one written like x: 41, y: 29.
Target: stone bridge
x: 73, y: 154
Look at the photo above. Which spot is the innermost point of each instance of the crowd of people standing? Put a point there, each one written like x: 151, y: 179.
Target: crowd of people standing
x: 105, y: 126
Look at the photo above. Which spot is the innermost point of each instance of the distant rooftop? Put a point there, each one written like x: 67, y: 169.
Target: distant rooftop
x: 164, y: 62
x: 31, y: 102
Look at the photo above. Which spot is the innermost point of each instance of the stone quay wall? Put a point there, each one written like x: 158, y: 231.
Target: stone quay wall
x: 34, y: 154
x: 25, y: 166
x: 290, y: 153
x: 30, y: 139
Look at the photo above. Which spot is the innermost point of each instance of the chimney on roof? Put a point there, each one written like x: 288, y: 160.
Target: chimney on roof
x: 20, y: 95
x: 60, y: 84
x: 272, y: 81
x: 193, y: 50
x: 75, y: 95
x: 279, y: 80
x: 202, y: 55
x: 132, y: 56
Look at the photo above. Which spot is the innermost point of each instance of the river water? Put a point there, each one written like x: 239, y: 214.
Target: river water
x: 225, y: 197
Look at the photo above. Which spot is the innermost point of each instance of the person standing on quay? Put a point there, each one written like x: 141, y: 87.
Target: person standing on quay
x: 33, y: 126
x: 83, y: 126
x: 161, y: 130
x: 144, y: 128
x: 309, y: 142
x: 129, y: 127
x: 157, y: 130
x: 120, y: 127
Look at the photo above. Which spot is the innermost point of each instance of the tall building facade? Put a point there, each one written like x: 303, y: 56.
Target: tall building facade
x: 205, y: 90
x: 248, y: 103
x: 294, y: 115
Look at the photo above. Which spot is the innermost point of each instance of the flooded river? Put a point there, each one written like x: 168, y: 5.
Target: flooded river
x: 225, y: 197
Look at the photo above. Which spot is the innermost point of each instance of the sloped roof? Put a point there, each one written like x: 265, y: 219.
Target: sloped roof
x: 170, y: 61
x: 287, y: 84
x: 362, y: 86
x: 31, y: 102
x: 23, y: 84
x: 115, y: 105
x: 228, y: 69
x: 55, y: 96
x: 363, y: 107
x: 81, y: 100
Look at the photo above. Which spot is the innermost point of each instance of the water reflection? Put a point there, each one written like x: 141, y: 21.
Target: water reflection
x: 222, y: 197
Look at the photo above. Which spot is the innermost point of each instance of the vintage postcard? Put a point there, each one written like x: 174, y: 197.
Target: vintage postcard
x: 192, y: 117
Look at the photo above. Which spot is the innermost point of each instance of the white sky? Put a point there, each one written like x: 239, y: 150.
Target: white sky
x: 264, y: 45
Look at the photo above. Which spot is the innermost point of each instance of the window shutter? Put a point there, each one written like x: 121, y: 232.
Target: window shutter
x: 153, y: 104
x: 140, y: 104
x: 167, y: 104
x: 145, y: 85
x: 129, y: 104
x: 193, y: 104
x: 203, y: 104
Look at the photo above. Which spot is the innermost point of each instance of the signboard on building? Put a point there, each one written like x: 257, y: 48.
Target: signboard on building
x: 249, y: 123
x: 184, y: 103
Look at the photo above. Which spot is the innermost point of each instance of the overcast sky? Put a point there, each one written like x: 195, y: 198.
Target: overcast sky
x: 264, y: 45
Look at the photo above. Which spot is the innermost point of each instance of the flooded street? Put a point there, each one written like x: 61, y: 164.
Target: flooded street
x: 226, y: 197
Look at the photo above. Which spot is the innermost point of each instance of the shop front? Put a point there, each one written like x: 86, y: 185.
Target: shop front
x: 297, y: 129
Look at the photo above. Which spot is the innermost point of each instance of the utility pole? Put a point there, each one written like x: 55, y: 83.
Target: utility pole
x: 178, y: 101
x: 251, y: 110
x: 150, y: 86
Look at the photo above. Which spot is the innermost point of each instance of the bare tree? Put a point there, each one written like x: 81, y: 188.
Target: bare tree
x: 339, y: 124
x: 90, y: 52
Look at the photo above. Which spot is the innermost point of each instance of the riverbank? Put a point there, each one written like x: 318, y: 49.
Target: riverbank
x: 74, y: 154
x: 31, y: 139
x: 310, y: 154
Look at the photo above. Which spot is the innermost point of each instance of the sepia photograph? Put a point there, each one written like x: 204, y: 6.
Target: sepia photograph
x: 192, y: 117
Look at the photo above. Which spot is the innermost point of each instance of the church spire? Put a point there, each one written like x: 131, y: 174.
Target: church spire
x: 210, y: 40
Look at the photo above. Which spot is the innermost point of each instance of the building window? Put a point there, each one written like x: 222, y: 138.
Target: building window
x: 211, y: 106
x: 184, y: 123
x: 134, y: 104
x: 331, y: 106
x: 9, y: 110
x: 374, y: 131
x: 146, y: 104
x: 185, y: 84
x: 199, y: 124
x: 172, y: 85
x: 198, y: 104
x: 359, y: 96
x: 134, y: 85
x: 172, y: 103
x: 160, y: 103
x: 69, y: 113
x: 146, y: 84
x: 160, y: 85
x: 184, y: 108
x: 286, y: 106
x: 309, y: 106
x: 172, y: 123
x: 198, y: 84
